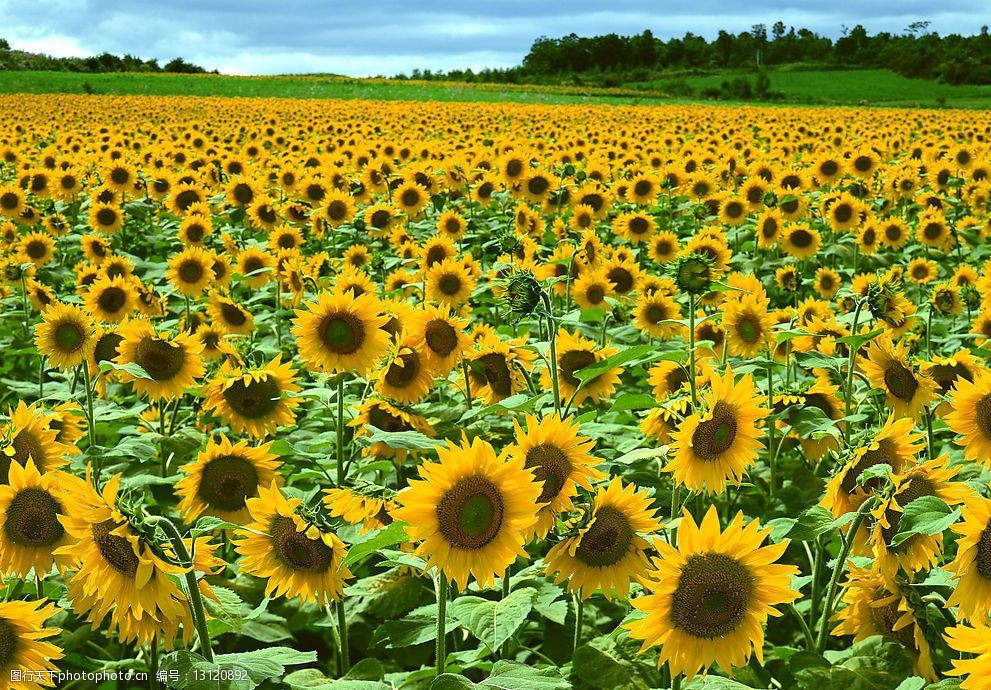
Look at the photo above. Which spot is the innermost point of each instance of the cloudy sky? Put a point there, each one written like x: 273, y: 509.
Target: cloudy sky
x: 388, y: 37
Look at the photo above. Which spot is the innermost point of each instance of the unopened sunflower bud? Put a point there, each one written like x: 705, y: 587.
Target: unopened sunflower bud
x: 693, y: 273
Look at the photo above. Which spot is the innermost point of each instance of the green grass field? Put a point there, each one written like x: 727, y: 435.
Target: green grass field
x: 853, y: 87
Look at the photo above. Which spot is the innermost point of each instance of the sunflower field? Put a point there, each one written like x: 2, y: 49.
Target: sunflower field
x: 359, y: 395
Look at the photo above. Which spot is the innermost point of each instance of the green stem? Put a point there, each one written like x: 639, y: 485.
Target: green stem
x: 163, y: 432
x: 806, y: 632
x: 506, y: 588
x: 691, y: 351
x: 771, y: 454
x: 41, y: 587
x: 851, y: 366
x: 192, y: 587
x: 91, y: 421
x: 834, y: 581
x: 153, y: 664
x: 464, y: 368
x: 441, y: 623
x: 552, y: 338
x: 41, y: 377
x: 930, y: 446
x: 342, y: 625
x: 340, y: 431
x: 579, y: 615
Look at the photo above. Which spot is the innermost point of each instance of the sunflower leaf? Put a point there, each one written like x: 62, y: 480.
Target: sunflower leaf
x: 132, y: 368
x: 494, y: 622
x: 395, y: 533
x: 508, y: 675
x: 406, y: 440
x: 925, y: 515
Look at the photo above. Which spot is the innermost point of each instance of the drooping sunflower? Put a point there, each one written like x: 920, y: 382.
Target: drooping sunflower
x: 223, y: 477
x: 111, y: 299
x: 974, y: 639
x: 358, y: 508
x: 608, y: 552
x: 972, y: 565
x: 190, y: 271
x: 919, y: 551
x: 449, y: 282
x: 30, y: 506
x: 886, y: 365
x: 561, y: 460
x: 23, y: 653
x: 875, y: 605
x: 253, y: 401
x: 387, y: 417
x: 29, y: 436
x: 295, y: 556
x: 709, y: 599
x: 719, y: 442
x: 970, y: 416
x: 66, y: 335
x: 171, y: 361
x: 229, y: 316
x: 748, y: 325
x: 470, y: 511
x: 897, y: 445
x: 340, y: 332
x: 575, y: 352
x: 494, y: 369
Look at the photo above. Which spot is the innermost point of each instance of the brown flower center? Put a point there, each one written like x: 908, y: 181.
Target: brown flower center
x: 228, y: 481
x: 715, y: 436
x: 712, y: 597
x: 470, y: 514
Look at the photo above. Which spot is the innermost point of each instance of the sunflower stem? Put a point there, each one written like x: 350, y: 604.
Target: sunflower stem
x: 340, y: 431
x: 676, y: 682
x: 834, y: 580
x: 691, y: 351
x: 342, y: 626
x: 90, y: 420
x: 192, y: 587
x: 930, y: 444
x: 771, y: 454
x: 163, y: 432
x: 441, y: 623
x: 41, y: 587
x: 41, y: 377
x: 579, y: 615
x: 552, y: 339
x: 464, y: 368
x: 851, y: 366
x: 806, y: 632
x: 153, y: 683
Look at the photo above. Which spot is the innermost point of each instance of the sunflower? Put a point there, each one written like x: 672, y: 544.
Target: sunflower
x: 922, y: 271
x: 117, y: 573
x: 561, y: 461
x: 378, y: 413
x: 970, y: 416
x: 976, y: 640
x: 449, y: 282
x: 664, y: 247
x: 12, y: 201
x: 23, y: 654
x: 229, y: 316
x: 575, y: 352
x: 591, y: 289
x: 253, y: 401
x: 30, y: 506
x: 945, y: 299
x: 708, y: 600
x: 932, y: 229
x: 194, y: 228
x: 223, y: 477
x: 657, y: 315
x: 66, y: 335
x: 406, y: 375
x: 341, y: 332
x: 29, y: 436
x: 827, y: 282
x: 608, y: 551
x: 411, y: 198
x: 37, y: 247
x: 357, y: 508
x: 107, y: 218
x: 494, y: 369
x: 800, y: 241
x: 172, y: 362
x: 443, y: 335
x: 470, y: 511
x: 255, y: 266
x: 919, y: 551
x: 972, y: 565
x: 634, y: 226
x: 355, y: 281
x: 111, y: 299
x: 893, y: 233
x: 748, y: 325
x: 718, y: 444
x: 190, y: 271
x: 67, y: 420
x: 887, y: 367
x: 875, y: 605
x: 897, y: 445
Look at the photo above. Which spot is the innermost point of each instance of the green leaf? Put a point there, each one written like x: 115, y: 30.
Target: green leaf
x: 925, y: 515
x: 638, y: 454
x: 879, y: 471
x: 507, y: 675
x: 394, y: 533
x: 636, y: 354
x: 720, y: 683
x: 857, y: 340
x: 599, y: 665
x: 913, y: 683
x: 876, y: 663
x: 452, y: 681
x: 416, y: 627
x: 406, y: 440
x: 313, y: 679
x: 269, y: 662
x: 812, y: 523
x: 633, y: 401
x: 132, y: 368
x: 494, y: 622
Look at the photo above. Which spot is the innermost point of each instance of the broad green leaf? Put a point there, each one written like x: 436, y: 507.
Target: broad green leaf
x: 494, y: 622
x: 810, y: 524
x: 406, y: 440
x: 507, y: 675
x: 394, y: 533
x: 452, y: 681
x: 925, y: 515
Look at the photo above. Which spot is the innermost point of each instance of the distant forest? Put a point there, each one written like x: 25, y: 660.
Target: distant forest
x: 19, y: 60
x: 611, y: 60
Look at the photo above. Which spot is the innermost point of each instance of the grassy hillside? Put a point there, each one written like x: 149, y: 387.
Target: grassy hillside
x: 871, y: 87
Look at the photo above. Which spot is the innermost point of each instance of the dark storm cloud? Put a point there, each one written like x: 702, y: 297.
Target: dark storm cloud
x: 358, y: 38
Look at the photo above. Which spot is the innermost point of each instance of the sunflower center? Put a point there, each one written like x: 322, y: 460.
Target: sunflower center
x: 9, y: 201
x: 470, y: 514
x: 106, y: 347
x: 227, y: 482
x: 551, y: 467
x: 748, y: 330
x: 26, y: 445
x: 983, y: 559
x: 410, y: 197
x: 656, y: 313
x: 337, y: 210
x: 112, y: 300
x: 253, y: 399
x: 714, y: 436
x: 233, y: 314
x: 638, y: 225
x: 243, y: 193
x: 984, y: 415
x: 801, y: 239
x: 441, y: 337
x: 843, y: 213
x: 297, y: 551
x: 9, y: 642
x: 917, y: 487
x: 829, y: 168
x: 106, y: 217
x: 36, y: 249
x: 342, y: 332
x: 621, y: 279
x: 595, y: 294
x: 68, y: 336
x: 642, y: 187
x: 572, y: 361
x: 607, y: 540
x: 713, y: 594
x: 386, y: 421
x: 863, y: 163
x: 514, y: 168
x: 190, y: 271
x: 160, y: 358
x: 401, y: 376
x: 32, y: 519
x: 497, y: 375
x: 900, y: 382
x: 885, y: 617
x: 116, y: 550
x: 449, y: 284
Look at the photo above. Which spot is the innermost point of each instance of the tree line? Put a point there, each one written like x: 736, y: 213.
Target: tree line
x: 19, y: 60
x: 611, y: 59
